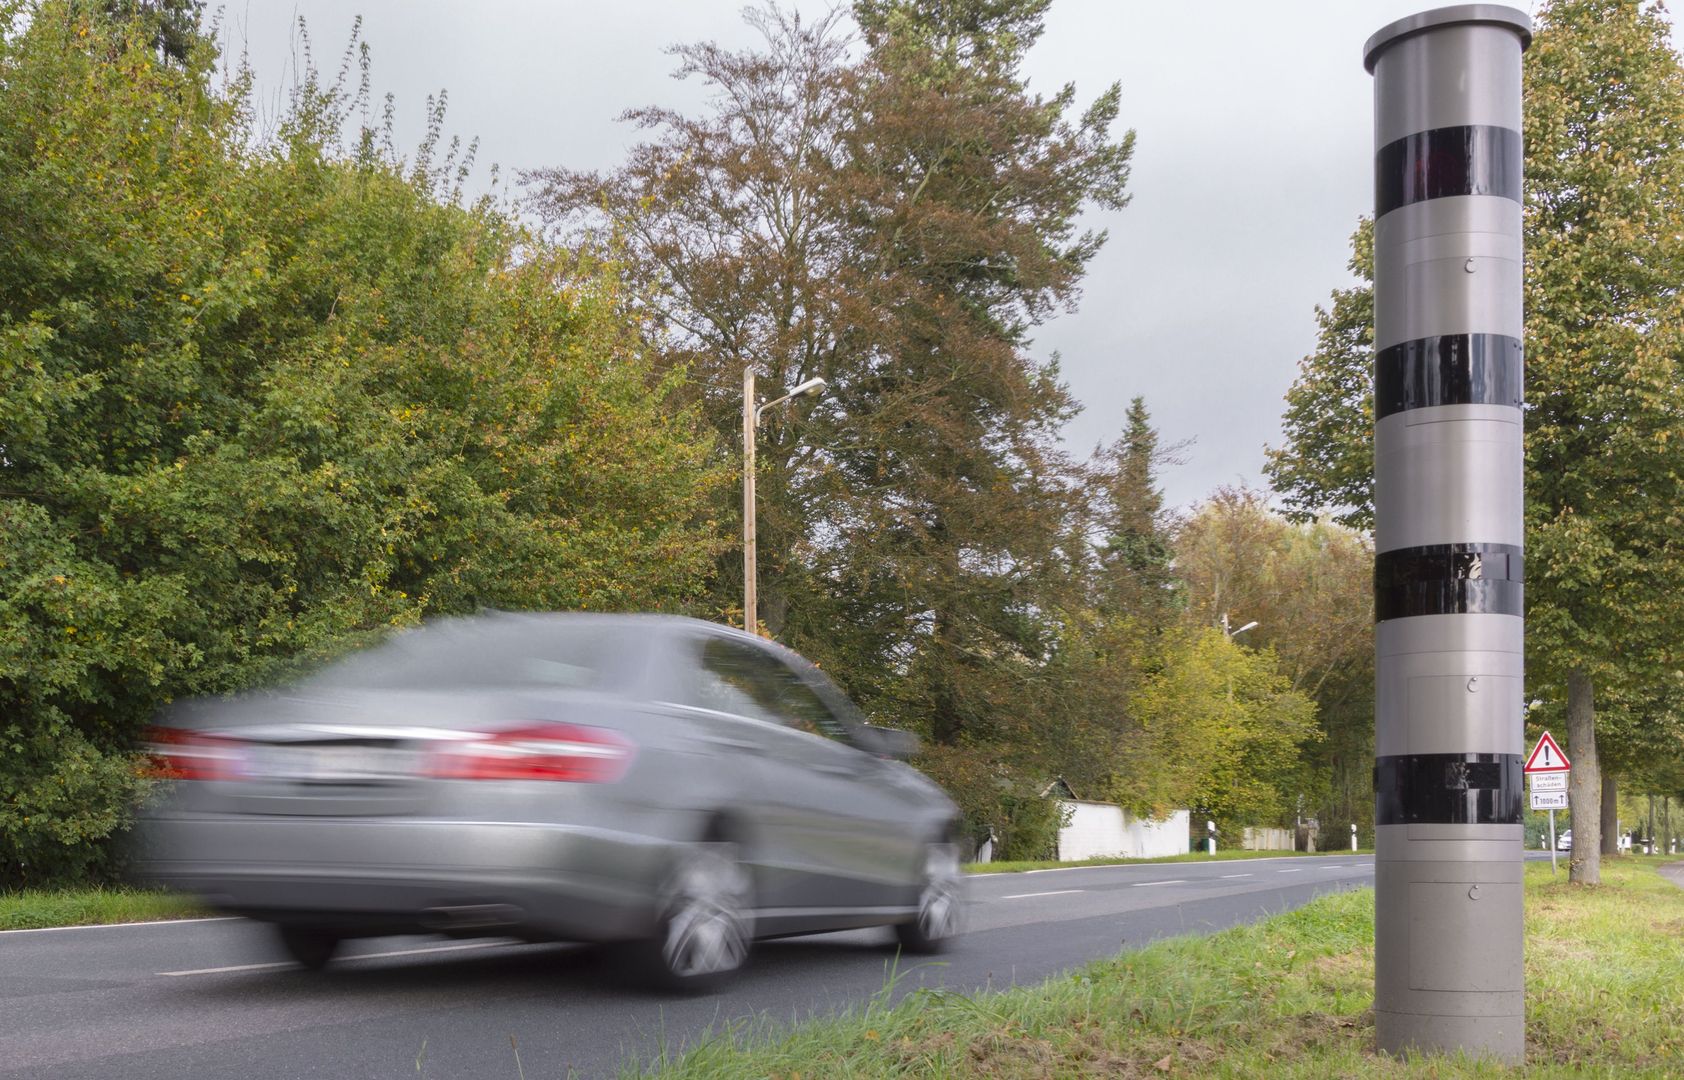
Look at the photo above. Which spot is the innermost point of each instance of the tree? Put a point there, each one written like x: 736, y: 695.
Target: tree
x: 1605, y: 255
x: 1219, y: 729
x: 262, y: 398
x: 895, y: 221
x: 1135, y: 556
x: 1326, y: 464
x: 1605, y: 331
x: 1308, y: 586
x: 171, y: 25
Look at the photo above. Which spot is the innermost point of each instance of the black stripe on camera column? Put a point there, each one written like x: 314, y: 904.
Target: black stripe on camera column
x: 1475, y: 159
x: 1449, y: 789
x: 1449, y: 579
x: 1448, y: 369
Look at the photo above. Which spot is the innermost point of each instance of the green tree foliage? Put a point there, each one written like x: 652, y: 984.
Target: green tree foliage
x: 1135, y: 555
x: 1326, y: 464
x: 259, y: 397
x: 172, y: 26
x: 1605, y: 448
x: 1219, y: 728
x: 1309, y: 587
x: 1605, y: 333
x: 1125, y: 594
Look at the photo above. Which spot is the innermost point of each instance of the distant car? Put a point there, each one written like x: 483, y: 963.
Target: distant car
x: 670, y: 784
x: 1564, y: 842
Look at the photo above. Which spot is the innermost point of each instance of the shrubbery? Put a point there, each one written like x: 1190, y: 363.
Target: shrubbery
x: 264, y: 395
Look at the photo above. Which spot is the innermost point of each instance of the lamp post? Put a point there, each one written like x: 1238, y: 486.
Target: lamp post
x: 1232, y: 634
x: 751, y: 425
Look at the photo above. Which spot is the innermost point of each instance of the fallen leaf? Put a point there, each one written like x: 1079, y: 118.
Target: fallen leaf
x: 1162, y: 1064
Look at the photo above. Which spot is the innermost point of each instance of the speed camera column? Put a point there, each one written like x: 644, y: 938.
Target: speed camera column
x: 1448, y: 566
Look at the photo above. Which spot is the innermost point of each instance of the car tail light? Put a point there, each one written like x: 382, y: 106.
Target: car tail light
x: 178, y: 754
x: 568, y: 752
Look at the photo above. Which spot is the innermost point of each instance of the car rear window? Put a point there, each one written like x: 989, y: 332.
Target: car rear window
x: 473, y: 654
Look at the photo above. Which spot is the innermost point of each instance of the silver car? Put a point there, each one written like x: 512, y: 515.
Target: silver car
x: 673, y: 785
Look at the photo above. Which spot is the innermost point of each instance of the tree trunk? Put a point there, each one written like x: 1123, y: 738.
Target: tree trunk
x: 1610, y: 815
x: 1649, y: 833
x: 1584, y: 787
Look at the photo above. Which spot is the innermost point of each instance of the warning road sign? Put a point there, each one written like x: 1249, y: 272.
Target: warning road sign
x: 1549, y: 800
x: 1546, y: 757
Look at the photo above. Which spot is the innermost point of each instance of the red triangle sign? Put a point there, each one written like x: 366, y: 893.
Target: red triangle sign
x: 1547, y: 757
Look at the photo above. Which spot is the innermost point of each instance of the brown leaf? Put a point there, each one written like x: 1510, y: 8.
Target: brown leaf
x: 1162, y: 1064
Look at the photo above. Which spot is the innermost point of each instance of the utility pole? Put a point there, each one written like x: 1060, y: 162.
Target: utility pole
x: 1449, y: 633
x: 751, y: 423
x: 751, y: 430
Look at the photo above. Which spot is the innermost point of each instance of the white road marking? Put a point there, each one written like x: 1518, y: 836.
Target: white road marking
x: 114, y: 925
x: 1294, y: 870
x: 1236, y: 875
x: 1171, y: 881
x: 1054, y: 892
x: 1117, y: 865
x: 343, y: 959
x: 237, y: 967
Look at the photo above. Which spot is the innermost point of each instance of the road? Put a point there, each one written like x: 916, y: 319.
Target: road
x: 211, y: 998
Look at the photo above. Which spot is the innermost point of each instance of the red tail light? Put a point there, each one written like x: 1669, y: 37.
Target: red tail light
x: 178, y: 754
x: 568, y: 752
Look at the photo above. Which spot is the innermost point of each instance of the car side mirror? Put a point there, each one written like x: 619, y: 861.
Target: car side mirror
x: 891, y: 742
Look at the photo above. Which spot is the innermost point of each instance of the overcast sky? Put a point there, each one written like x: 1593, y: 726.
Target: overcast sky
x: 1251, y: 166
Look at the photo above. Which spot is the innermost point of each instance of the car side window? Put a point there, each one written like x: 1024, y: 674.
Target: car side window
x: 737, y: 679
x: 803, y: 709
x: 746, y: 681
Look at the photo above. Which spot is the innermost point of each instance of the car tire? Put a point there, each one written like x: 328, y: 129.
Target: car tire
x: 310, y: 946
x: 706, y: 922
x: 940, y: 903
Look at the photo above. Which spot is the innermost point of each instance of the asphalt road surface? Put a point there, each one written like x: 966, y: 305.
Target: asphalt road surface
x: 212, y: 998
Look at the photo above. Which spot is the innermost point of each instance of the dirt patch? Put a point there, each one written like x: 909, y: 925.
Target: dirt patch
x: 1355, y: 962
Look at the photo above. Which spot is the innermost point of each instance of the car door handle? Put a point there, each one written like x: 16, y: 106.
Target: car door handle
x: 744, y: 746
x: 836, y: 770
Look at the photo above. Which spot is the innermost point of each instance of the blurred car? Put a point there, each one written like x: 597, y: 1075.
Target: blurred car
x: 673, y: 785
x: 1564, y: 842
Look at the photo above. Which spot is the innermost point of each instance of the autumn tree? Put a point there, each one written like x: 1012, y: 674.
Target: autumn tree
x: 895, y: 219
x: 1219, y: 728
x: 1308, y: 586
x: 1604, y: 100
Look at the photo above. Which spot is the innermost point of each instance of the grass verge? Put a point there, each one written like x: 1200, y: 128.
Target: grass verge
x: 36, y: 909
x: 1019, y: 867
x: 1289, y: 997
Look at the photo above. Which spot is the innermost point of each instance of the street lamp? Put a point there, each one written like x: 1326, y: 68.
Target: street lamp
x: 1232, y: 634
x: 751, y: 425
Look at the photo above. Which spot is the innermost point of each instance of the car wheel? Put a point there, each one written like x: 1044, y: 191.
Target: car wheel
x: 311, y: 946
x: 706, y: 924
x: 940, y: 903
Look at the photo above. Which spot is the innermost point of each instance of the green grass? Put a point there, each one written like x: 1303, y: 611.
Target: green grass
x: 34, y: 909
x: 1019, y: 867
x: 1289, y: 997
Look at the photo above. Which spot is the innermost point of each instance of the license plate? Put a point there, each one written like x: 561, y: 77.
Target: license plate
x: 328, y: 763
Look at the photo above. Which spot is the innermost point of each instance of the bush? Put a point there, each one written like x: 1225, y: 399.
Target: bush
x: 994, y: 798
x: 260, y: 397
